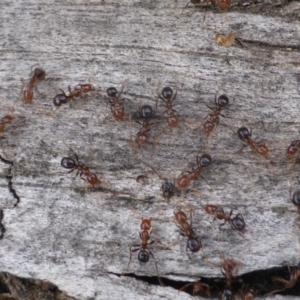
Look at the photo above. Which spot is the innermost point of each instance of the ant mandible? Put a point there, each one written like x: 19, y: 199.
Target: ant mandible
x: 116, y: 104
x: 144, y: 253
x: 79, y: 89
x: 82, y: 170
x: 146, y: 112
x: 38, y: 75
x: 213, y: 119
x: 245, y: 135
x: 167, y: 96
x: 237, y: 223
x: 292, y: 149
x: 186, y: 177
x: 193, y: 242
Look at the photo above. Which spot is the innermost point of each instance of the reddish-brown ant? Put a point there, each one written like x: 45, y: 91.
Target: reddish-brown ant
x: 193, y: 243
x: 116, y: 104
x: 79, y: 89
x: 38, y: 75
x: 82, y: 170
x: 144, y: 253
x: 167, y: 96
x: 245, y: 135
x: 237, y: 223
x: 292, y: 149
x: 213, y: 119
x: 186, y: 177
x: 146, y: 112
x: 198, y: 287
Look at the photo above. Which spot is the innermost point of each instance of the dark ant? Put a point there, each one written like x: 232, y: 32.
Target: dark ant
x: 116, y: 104
x: 168, y: 97
x: 237, y: 223
x: 38, y: 76
x: 168, y: 188
x: 292, y: 149
x: 213, y: 119
x: 193, y: 242
x: 245, y: 135
x: 82, y: 170
x: 186, y: 177
x: 79, y: 89
x: 144, y: 253
x: 296, y: 200
x: 146, y: 112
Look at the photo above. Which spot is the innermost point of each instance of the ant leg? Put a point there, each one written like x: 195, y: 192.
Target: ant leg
x: 158, y: 276
x: 131, y: 251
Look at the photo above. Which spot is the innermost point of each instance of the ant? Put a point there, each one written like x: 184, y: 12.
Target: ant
x: 79, y: 89
x: 82, y: 170
x: 213, y: 119
x: 38, y: 75
x: 245, y: 135
x: 186, y: 177
x: 144, y: 253
x: 167, y: 96
x: 248, y: 294
x: 193, y: 242
x: 117, y: 104
x: 5, y: 121
x: 146, y: 112
x: 237, y: 223
x: 296, y: 200
x: 292, y: 149
x: 197, y: 288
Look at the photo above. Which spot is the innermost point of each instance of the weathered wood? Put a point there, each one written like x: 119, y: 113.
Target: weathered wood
x: 70, y: 235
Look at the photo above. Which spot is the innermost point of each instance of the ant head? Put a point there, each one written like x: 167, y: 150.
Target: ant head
x: 146, y: 111
x: 204, y: 161
x: 167, y: 93
x: 168, y: 189
x: 194, y: 244
x: 143, y: 256
x: 39, y: 74
x: 296, y: 198
x: 244, y: 133
x: 111, y: 92
x: 238, y: 222
x: 60, y: 99
x: 222, y: 101
x: 68, y: 163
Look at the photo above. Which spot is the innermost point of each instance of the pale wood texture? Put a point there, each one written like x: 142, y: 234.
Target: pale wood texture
x: 72, y: 236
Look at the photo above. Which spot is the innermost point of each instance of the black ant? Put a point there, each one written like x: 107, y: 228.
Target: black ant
x: 38, y: 75
x: 144, y: 253
x: 79, y: 89
x: 186, y: 177
x: 193, y: 242
x: 146, y: 112
x: 237, y: 223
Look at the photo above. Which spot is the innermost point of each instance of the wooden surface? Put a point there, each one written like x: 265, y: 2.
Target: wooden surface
x: 77, y: 237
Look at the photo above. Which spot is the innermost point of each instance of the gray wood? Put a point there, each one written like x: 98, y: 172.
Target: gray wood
x: 75, y: 237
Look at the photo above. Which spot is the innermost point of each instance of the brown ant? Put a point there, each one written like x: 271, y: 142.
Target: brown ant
x: 296, y: 200
x: 79, y: 89
x: 167, y: 96
x: 245, y: 135
x: 146, y: 112
x: 38, y: 75
x: 237, y: 223
x: 193, y: 243
x: 213, y: 119
x: 198, y: 287
x: 292, y: 149
x: 186, y: 177
x: 116, y: 104
x: 144, y: 253
x: 82, y: 170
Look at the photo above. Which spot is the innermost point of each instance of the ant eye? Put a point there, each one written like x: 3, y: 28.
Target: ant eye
x: 143, y: 256
x: 111, y: 92
x: 68, y: 163
x: 223, y: 101
x: 167, y: 92
x: 238, y: 222
x: 296, y: 198
x: 146, y: 111
x: 244, y: 133
x: 194, y: 244
x: 205, y: 160
x: 60, y: 99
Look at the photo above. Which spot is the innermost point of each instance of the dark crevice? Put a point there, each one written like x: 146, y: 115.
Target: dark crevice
x: 261, y: 281
x: 10, y: 177
x: 2, y: 228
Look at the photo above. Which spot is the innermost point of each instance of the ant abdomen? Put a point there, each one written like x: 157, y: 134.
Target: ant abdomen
x: 112, y: 92
x: 244, y: 134
x: 223, y: 101
x: 146, y: 111
x: 205, y: 160
x: 68, y: 163
x: 296, y: 198
x: 194, y: 244
x: 167, y: 93
x: 143, y: 256
x: 60, y: 99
